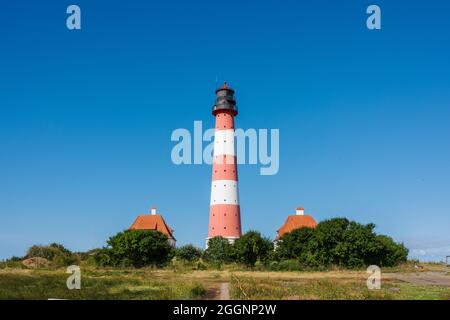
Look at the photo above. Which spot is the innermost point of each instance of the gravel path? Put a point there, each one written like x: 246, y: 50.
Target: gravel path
x: 422, y: 278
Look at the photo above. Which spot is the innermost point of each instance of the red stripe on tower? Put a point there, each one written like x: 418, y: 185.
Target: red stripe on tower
x: 225, y: 216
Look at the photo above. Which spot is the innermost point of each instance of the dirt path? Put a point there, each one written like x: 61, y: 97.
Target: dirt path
x: 218, y: 292
x: 225, y: 291
x: 422, y: 278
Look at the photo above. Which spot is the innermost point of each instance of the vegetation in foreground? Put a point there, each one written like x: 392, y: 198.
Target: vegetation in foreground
x: 97, y: 285
x: 183, y: 282
x: 248, y: 288
x: 142, y: 265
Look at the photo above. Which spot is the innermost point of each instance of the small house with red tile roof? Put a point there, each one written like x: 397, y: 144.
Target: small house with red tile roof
x: 154, y: 221
x: 297, y: 221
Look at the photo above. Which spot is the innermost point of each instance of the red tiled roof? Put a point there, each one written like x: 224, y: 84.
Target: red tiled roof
x: 296, y: 222
x: 152, y: 222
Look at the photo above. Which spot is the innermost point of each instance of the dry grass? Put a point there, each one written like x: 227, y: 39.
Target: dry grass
x: 98, y: 284
x: 179, y: 283
x: 329, y: 288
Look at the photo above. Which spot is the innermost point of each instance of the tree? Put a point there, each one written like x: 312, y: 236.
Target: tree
x: 296, y: 245
x: 219, y: 251
x: 351, y: 244
x: 188, y: 253
x: 252, y: 247
x: 340, y: 242
x: 327, y: 235
x: 138, y: 248
x: 390, y: 253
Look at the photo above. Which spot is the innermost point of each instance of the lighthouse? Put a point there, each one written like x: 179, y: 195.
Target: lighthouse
x: 225, y: 215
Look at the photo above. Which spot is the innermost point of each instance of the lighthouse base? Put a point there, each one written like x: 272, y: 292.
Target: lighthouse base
x: 231, y: 240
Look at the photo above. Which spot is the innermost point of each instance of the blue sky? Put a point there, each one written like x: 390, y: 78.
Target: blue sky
x: 86, y: 116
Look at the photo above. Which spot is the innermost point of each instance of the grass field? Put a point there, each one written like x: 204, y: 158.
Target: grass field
x: 97, y: 284
x: 186, y: 284
x: 321, y: 287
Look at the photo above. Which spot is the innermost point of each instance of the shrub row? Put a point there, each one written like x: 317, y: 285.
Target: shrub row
x: 335, y: 242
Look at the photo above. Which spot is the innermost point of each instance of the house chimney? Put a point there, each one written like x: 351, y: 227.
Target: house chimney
x: 300, y: 212
x: 153, y: 211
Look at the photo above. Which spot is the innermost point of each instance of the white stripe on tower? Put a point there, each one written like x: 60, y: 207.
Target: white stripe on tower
x: 224, y: 142
x: 224, y: 192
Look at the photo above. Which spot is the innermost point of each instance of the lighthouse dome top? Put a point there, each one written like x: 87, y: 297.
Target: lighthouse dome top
x: 225, y: 101
x: 224, y: 87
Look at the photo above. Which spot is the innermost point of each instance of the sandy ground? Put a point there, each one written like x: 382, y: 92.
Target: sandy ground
x: 433, y: 278
x: 219, y: 291
x: 224, y: 291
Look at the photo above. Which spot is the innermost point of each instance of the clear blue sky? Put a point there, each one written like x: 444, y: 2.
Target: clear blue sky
x: 86, y: 116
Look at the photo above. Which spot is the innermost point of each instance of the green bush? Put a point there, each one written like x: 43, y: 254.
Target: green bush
x: 390, y: 253
x: 188, y: 253
x: 10, y: 263
x: 16, y: 259
x: 103, y: 257
x: 201, y: 266
x: 89, y: 258
x: 55, y: 253
x: 342, y: 243
x: 219, y: 251
x: 198, y: 291
x: 251, y: 247
x: 137, y: 248
x: 286, y: 265
x: 295, y: 245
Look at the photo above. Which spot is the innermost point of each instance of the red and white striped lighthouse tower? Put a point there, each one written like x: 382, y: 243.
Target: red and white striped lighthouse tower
x: 225, y: 215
